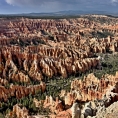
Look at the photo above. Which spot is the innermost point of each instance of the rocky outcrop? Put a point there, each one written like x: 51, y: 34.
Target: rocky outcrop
x: 19, y: 112
x: 20, y: 91
x: 3, y: 82
x: 34, y: 48
x: 23, y: 66
x: 55, y: 106
x: 100, y: 92
x: 76, y: 112
x: 109, y: 112
x: 92, y: 88
x: 36, y: 27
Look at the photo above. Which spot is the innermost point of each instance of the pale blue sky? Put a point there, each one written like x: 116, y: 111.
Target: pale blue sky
x: 28, y: 6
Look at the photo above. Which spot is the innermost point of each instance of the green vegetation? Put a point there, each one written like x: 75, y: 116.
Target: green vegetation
x: 101, y: 34
x: 40, y: 17
x: 107, y: 20
x: 102, y: 20
x: 27, y: 102
x: 109, y: 65
x: 27, y: 42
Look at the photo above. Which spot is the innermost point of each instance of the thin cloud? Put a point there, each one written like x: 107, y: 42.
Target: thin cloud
x: 24, y: 2
x: 114, y: 1
x: 60, y: 5
x: 40, y: 2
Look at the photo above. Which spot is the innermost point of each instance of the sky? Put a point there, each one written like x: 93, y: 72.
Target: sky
x: 42, y: 6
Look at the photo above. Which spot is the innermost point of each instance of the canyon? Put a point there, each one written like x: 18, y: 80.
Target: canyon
x: 36, y: 54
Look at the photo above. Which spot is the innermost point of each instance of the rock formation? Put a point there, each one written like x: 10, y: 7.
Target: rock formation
x: 37, y: 50
x: 92, y: 88
x: 19, y: 91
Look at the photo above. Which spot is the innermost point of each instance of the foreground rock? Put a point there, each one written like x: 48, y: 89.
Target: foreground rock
x: 109, y: 112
